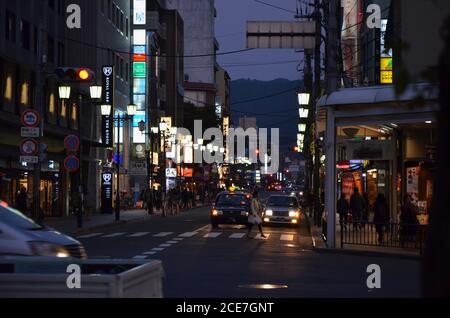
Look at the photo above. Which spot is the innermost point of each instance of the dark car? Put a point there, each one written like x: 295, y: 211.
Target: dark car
x: 231, y: 208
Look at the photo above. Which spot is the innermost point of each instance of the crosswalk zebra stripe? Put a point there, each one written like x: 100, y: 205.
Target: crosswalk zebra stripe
x: 157, y: 249
x: 150, y: 253
x: 212, y: 235
x: 165, y: 245
x: 237, y: 235
x: 287, y: 237
x: 89, y: 235
x: 172, y: 242
x: 140, y: 257
x: 178, y: 239
x: 114, y: 235
x: 139, y: 234
x: 188, y: 234
x: 163, y: 234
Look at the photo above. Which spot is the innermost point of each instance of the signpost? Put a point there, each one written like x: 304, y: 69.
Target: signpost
x: 30, y: 118
x: 107, y: 199
x: 29, y: 147
x: 29, y: 132
x: 72, y: 143
x: 72, y: 163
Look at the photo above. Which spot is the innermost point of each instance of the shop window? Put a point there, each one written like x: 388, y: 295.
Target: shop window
x: 74, y: 117
x: 51, y: 109
x: 63, y: 113
x: 8, y: 88
x: 24, y: 94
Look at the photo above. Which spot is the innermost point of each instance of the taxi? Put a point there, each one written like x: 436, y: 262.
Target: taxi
x: 231, y: 207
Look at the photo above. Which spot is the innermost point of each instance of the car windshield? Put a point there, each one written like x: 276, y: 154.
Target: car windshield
x: 282, y: 201
x: 232, y: 200
x: 16, y: 219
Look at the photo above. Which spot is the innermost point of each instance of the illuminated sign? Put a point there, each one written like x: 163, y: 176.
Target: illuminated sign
x: 139, y: 37
x: 139, y: 69
x: 386, y: 65
x: 140, y: 8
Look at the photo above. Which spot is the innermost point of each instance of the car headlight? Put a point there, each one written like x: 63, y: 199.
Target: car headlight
x: 48, y: 250
x: 243, y: 213
x: 269, y: 212
x: 293, y: 214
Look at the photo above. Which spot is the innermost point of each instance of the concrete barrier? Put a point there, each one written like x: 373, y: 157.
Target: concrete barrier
x: 45, y: 278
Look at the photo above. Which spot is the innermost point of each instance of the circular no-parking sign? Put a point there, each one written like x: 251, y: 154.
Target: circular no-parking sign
x: 72, y: 163
x: 72, y: 143
x: 30, y: 118
x: 29, y: 147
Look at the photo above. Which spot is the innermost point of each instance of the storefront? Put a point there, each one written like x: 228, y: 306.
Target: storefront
x: 379, y: 144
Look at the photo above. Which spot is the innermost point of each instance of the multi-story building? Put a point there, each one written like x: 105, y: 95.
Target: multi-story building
x: 200, y: 50
x: 103, y: 39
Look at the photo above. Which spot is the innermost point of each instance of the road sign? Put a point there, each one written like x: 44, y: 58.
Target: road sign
x: 72, y: 143
x: 72, y: 163
x: 29, y: 132
x: 29, y: 147
x: 29, y: 159
x: 30, y: 118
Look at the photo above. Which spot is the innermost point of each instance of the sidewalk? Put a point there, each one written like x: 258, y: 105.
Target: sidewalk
x: 321, y: 246
x: 98, y: 221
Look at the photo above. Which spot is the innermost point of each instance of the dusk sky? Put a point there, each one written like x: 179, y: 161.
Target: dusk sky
x: 232, y: 16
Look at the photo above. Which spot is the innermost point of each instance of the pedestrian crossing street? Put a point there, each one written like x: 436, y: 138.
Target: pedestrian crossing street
x: 177, y: 237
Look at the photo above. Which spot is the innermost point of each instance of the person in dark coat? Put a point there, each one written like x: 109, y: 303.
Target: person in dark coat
x: 408, y: 220
x: 381, y: 215
x: 21, y: 200
x: 343, y: 209
x: 357, y: 207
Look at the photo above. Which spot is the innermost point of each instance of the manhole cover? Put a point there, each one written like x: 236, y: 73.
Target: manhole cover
x: 264, y: 286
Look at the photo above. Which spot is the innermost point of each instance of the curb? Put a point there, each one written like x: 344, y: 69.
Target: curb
x: 326, y: 250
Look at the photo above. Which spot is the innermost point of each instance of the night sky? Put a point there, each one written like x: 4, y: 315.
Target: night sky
x: 232, y: 16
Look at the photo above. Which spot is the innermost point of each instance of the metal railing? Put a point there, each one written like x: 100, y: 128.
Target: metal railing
x: 406, y: 236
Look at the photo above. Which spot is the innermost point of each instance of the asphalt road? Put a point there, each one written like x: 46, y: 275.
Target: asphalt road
x: 201, y: 262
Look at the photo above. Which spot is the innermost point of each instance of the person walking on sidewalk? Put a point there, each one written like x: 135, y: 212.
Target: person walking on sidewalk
x: 149, y: 200
x: 381, y: 216
x: 357, y: 207
x: 255, y: 216
x: 343, y: 209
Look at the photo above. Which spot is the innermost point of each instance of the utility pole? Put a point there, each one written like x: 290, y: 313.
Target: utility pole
x: 332, y: 75
x: 37, y: 214
x: 317, y: 91
x: 308, y: 82
x: 117, y: 210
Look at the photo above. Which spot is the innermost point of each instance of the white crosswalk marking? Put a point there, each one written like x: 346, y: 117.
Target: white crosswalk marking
x: 172, y: 242
x: 149, y: 253
x: 139, y: 234
x: 178, y: 239
x: 212, y: 235
x: 287, y: 237
x: 89, y: 235
x: 237, y: 235
x: 157, y: 249
x: 258, y: 237
x: 114, y: 235
x: 188, y: 234
x: 140, y: 257
x: 165, y: 245
x: 163, y: 234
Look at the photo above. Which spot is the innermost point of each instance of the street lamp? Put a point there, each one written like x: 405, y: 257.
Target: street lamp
x: 106, y: 110
x: 131, y: 109
x: 302, y: 128
x: 304, y: 113
x: 64, y: 92
x: 96, y: 92
x: 303, y: 99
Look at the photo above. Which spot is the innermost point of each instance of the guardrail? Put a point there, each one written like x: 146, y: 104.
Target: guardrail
x: 408, y: 236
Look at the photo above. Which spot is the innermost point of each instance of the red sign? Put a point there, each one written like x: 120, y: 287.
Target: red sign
x: 72, y: 143
x: 72, y: 163
x: 30, y: 118
x: 29, y: 147
x: 139, y: 58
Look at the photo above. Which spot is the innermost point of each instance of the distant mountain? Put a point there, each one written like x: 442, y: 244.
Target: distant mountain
x: 273, y: 103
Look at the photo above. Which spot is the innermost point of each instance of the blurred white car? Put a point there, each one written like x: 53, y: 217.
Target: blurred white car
x: 21, y: 236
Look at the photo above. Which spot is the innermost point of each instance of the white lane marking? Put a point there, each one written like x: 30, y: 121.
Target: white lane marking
x: 188, y: 234
x: 258, y: 237
x: 178, y: 239
x: 89, y: 235
x: 165, y: 245
x: 140, y: 257
x: 206, y: 227
x: 172, y: 242
x: 139, y: 234
x: 114, y: 235
x: 163, y: 234
x: 157, y: 249
x: 149, y: 253
x: 212, y: 235
x: 237, y: 235
x: 287, y: 237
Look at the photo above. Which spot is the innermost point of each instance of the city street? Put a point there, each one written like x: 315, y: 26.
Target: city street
x: 202, y: 262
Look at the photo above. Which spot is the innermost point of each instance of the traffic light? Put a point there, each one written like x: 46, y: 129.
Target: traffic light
x: 75, y: 74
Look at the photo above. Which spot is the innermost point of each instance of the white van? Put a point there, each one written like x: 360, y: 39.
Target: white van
x: 21, y: 236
